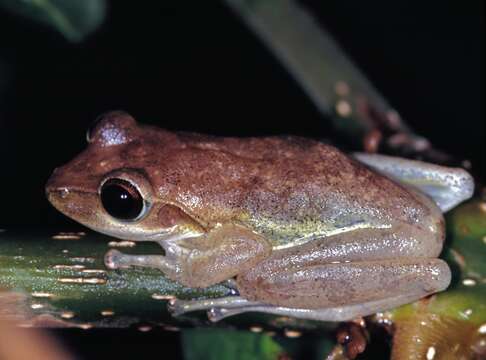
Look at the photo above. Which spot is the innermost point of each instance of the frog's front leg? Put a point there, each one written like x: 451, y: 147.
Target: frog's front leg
x: 203, y: 260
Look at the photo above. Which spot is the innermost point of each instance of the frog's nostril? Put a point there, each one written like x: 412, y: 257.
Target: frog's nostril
x: 57, y: 185
x: 63, y: 192
x: 56, y: 194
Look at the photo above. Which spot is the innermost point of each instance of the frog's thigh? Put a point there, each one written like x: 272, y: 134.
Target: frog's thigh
x: 343, y: 284
x: 399, y: 241
x: 446, y: 186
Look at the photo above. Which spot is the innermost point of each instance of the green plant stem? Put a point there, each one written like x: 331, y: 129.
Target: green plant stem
x: 66, y: 280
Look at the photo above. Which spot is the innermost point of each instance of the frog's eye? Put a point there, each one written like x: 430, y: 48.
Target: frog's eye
x: 122, y: 200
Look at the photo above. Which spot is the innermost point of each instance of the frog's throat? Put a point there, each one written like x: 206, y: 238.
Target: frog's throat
x: 160, y: 236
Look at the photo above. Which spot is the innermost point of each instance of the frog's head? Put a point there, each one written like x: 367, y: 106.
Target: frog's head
x: 108, y: 187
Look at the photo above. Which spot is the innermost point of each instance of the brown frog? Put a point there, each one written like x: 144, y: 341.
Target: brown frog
x: 293, y: 225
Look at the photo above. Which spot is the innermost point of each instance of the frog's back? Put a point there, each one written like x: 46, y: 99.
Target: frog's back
x: 286, y: 188
x: 306, y: 189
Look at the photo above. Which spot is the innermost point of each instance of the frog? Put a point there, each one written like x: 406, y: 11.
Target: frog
x: 289, y: 225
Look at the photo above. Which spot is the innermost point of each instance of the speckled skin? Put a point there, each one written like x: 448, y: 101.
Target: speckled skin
x: 298, y: 222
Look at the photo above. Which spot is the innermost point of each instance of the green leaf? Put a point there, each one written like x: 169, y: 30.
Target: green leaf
x: 467, y: 240
x: 75, y: 19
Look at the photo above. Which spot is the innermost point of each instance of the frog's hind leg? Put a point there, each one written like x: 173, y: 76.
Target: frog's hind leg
x: 389, y: 282
x: 446, y: 186
x: 327, y: 292
x: 220, y: 308
x: 178, y: 307
x: 339, y: 313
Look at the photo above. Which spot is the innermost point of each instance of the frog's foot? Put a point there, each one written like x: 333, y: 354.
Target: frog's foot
x: 446, y: 186
x: 115, y: 259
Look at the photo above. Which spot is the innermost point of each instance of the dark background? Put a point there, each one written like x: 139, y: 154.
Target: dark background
x: 194, y: 66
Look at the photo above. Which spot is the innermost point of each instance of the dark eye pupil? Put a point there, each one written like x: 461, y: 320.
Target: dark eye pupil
x: 121, y: 199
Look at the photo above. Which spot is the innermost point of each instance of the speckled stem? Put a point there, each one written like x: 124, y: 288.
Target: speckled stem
x: 60, y: 280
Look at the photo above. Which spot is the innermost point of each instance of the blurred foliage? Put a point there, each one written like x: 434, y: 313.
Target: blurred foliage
x: 74, y: 19
x: 219, y: 344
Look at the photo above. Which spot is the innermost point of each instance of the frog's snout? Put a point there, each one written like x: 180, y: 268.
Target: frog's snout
x: 69, y: 197
x: 55, y: 191
x: 62, y: 183
x: 73, y: 201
